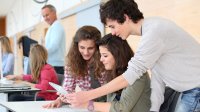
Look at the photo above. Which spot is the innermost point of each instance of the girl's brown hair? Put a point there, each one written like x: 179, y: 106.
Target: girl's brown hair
x: 78, y: 66
x: 5, y: 43
x: 38, y: 58
x: 121, y: 52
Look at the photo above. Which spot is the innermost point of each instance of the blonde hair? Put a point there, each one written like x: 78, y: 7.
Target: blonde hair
x: 5, y: 43
x: 38, y: 58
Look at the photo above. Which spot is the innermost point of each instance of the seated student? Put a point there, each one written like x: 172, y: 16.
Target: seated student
x: 25, y: 42
x: 83, y: 67
x: 41, y: 74
x: 7, y: 56
x: 115, y: 54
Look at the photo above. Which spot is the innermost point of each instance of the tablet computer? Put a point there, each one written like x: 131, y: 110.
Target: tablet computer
x: 58, y: 88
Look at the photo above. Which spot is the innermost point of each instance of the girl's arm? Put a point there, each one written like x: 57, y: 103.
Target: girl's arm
x: 45, y: 78
x: 130, y: 97
x: 27, y: 77
x: 102, y: 107
x: 14, y: 77
x: 79, y: 98
x: 29, y: 83
x: 98, y: 106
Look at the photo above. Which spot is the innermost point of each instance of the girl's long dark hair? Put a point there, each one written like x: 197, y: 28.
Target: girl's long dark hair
x: 121, y: 52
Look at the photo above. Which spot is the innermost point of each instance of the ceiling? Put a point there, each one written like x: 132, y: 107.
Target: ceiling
x: 6, y: 6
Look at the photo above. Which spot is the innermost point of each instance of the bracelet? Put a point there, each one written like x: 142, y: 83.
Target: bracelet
x: 91, y: 106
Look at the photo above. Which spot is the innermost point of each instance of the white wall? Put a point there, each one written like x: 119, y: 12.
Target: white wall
x: 90, y: 16
x: 26, y: 13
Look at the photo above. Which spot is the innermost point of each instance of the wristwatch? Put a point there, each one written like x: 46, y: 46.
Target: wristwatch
x: 91, y: 106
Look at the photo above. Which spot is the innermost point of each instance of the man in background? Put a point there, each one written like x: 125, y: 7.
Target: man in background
x: 55, y: 41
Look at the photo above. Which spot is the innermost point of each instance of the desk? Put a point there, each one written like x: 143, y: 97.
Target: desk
x: 4, y: 94
x: 36, y: 106
x: 19, y: 90
x: 17, y: 86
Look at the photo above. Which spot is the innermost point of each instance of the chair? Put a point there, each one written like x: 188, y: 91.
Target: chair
x: 60, y: 79
x: 170, y: 100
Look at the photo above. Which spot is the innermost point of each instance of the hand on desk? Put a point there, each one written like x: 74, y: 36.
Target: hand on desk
x: 78, y: 99
x: 6, y: 81
x: 59, y: 102
x: 28, y: 83
x: 18, y: 79
x: 62, y: 98
x: 14, y: 77
x: 55, y: 104
x: 69, y: 100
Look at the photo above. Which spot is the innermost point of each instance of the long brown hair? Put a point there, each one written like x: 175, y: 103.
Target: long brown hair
x: 74, y: 60
x: 38, y: 58
x: 5, y: 43
x: 121, y: 52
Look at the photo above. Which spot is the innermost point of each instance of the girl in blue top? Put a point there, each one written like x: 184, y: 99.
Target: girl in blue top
x: 7, y: 56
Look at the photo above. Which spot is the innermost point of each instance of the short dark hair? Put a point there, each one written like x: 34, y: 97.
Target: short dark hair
x: 49, y: 6
x: 26, y: 43
x: 116, y: 10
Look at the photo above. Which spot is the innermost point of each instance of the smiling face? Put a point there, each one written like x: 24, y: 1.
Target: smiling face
x: 118, y: 29
x: 106, y: 58
x: 87, y: 49
x: 49, y: 15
